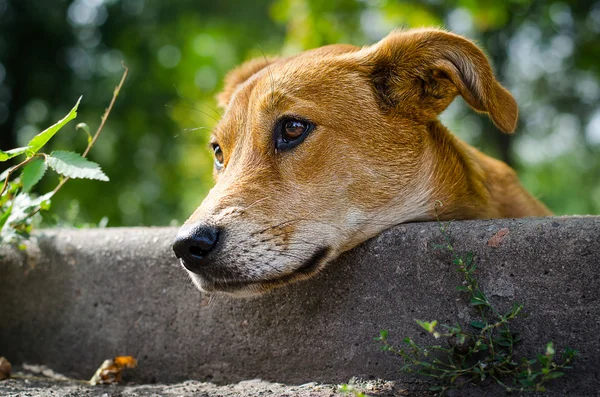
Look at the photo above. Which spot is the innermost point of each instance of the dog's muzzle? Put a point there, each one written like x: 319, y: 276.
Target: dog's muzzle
x: 194, y: 245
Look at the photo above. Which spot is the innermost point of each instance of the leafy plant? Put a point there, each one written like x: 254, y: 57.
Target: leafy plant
x: 483, y: 350
x: 18, y: 205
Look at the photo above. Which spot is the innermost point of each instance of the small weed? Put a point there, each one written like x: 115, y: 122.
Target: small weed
x: 350, y: 389
x: 483, y: 350
x: 18, y: 205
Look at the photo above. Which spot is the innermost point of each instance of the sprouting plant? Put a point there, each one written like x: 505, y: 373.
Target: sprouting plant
x: 17, y: 204
x: 482, y: 350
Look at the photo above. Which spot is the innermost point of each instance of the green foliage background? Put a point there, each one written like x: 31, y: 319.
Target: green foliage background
x: 154, y: 145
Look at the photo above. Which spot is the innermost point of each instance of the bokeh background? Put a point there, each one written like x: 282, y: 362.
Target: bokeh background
x: 547, y: 53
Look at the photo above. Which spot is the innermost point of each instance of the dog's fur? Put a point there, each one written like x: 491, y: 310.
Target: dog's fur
x: 378, y: 155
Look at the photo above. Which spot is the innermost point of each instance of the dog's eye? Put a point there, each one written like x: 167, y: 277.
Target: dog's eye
x: 219, y: 158
x: 291, y: 133
x: 294, y: 129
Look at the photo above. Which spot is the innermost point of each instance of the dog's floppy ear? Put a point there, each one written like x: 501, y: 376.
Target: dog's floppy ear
x: 423, y: 70
x: 239, y: 75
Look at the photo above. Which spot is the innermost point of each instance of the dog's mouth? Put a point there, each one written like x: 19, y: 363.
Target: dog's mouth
x: 241, y: 286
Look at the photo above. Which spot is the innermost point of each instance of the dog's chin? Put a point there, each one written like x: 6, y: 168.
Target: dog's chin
x: 253, y: 287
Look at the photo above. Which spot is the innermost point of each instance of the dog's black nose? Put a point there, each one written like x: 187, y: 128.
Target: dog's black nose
x: 193, y: 245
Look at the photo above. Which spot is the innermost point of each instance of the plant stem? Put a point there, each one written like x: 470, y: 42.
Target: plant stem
x: 101, y: 126
x: 108, y: 110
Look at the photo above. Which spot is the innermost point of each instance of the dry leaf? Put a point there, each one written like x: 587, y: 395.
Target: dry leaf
x: 111, y: 371
x: 5, y: 368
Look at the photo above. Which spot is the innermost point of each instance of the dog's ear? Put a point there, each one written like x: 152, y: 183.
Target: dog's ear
x: 423, y: 70
x: 239, y: 75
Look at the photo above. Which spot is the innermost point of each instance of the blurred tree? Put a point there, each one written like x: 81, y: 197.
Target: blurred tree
x: 546, y: 52
x: 151, y: 148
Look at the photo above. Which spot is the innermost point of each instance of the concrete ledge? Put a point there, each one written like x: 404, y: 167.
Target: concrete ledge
x: 77, y: 297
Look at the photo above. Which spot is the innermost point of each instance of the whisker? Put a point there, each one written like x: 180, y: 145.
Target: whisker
x: 284, y: 253
x: 298, y: 258
x: 186, y: 130
x: 194, y: 109
x: 255, y: 202
x: 278, y: 225
x: 271, y: 76
x: 298, y: 241
x: 295, y: 250
x: 211, y: 300
x: 214, y: 110
x: 193, y: 101
x: 178, y: 92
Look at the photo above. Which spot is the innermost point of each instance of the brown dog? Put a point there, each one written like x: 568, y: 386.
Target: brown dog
x: 318, y: 152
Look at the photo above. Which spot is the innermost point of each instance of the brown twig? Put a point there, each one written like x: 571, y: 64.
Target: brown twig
x: 101, y: 126
x: 108, y: 110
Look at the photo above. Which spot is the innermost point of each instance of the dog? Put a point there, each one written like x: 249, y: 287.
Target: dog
x: 318, y: 152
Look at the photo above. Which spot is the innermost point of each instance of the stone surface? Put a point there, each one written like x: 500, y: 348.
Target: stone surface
x: 77, y: 297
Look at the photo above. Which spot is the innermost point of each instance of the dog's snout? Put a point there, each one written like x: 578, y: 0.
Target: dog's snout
x: 194, y: 244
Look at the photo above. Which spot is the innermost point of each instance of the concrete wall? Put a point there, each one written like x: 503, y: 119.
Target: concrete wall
x: 77, y: 297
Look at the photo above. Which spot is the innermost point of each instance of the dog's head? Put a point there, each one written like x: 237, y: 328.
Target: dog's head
x: 318, y: 152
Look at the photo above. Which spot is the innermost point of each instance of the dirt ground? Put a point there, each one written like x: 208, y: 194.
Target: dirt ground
x: 39, y: 387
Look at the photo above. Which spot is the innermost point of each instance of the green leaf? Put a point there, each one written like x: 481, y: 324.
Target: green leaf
x: 553, y: 375
x: 503, y: 343
x: 469, y: 259
x: 86, y: 129
x: 462, y: 288
x: 550, y: 349
x: 5, y: 216
x: 452, y: 329
x: 477, y: 324
x: 32, y: 173
x: 514, y: 309
x: 516, y: 338
x: 72, y: 165
x: 23, y: 208
x: 527, y: 382
x: 429, y: 327
x: 569, y: 353
x: 9, y: 154
x: 461, y: 339
x: 477, y: 302
x: 43, y: 137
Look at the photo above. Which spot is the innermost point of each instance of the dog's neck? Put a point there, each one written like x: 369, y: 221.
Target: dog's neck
x: 471, y: 185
